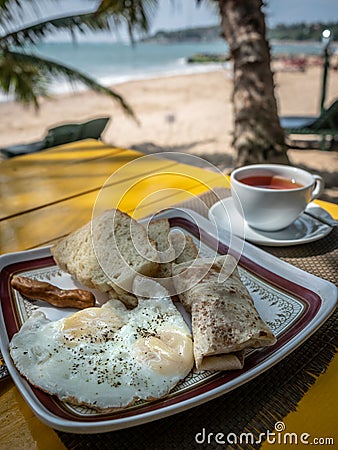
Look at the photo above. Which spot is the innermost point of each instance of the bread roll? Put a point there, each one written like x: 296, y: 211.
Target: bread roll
x: 107, y: 253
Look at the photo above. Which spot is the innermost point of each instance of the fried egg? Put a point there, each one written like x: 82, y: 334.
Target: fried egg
x: 106, y: 357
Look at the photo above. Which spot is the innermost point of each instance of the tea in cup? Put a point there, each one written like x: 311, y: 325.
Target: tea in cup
x: 271, y: 196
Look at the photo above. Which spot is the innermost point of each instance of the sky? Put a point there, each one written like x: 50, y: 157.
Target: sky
x: 293, y: 11
x: 178, y: 14
x: 185, y: 14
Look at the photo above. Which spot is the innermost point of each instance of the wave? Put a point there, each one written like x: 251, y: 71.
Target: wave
x: 184, y: 69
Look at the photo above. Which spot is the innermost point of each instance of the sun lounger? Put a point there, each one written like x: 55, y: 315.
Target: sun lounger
x: 62, y: 134
x: 325, y: 125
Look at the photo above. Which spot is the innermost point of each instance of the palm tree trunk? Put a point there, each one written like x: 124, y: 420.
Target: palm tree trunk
x: 258, y: 136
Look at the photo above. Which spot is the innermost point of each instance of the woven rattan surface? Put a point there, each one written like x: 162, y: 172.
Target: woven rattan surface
x: 257, y: 405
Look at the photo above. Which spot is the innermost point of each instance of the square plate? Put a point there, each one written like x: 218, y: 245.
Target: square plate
x: 292, y: 302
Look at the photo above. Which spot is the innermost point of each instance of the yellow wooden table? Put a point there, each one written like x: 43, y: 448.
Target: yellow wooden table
x: 46, y: 195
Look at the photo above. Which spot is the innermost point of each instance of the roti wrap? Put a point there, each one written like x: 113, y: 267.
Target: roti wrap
x: 225, y: 321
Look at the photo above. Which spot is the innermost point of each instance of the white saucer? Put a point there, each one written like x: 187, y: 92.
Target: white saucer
x: 304, y: 229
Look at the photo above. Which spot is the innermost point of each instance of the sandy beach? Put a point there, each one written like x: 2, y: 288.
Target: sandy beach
x: 188, y: 113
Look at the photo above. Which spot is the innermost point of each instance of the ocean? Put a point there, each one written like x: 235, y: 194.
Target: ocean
x: 113, y: 63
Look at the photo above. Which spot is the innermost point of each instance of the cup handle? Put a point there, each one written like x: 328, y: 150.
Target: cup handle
x: 318, y: 187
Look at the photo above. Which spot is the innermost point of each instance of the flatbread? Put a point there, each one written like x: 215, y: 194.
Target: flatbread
x: 225, y: 321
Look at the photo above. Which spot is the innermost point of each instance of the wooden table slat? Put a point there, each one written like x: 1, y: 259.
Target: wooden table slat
x: 62, y: 182
x: 41, y: 226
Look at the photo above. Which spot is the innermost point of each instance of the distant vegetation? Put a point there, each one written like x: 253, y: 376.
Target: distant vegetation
x: 302, y: 31
x: 201, y: 58
x: 190, y: 34
x: 298, y: 32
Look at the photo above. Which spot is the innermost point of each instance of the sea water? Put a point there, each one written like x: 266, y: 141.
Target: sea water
x: 116, y: 62
x: 112, y: 63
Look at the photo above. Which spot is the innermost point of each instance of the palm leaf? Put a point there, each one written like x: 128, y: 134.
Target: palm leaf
x: 6, y: 9
x: 22, y: 81
x: 10, y: 11
x: 136, y: 14
x: 35, y: 32
x: 27, y: 77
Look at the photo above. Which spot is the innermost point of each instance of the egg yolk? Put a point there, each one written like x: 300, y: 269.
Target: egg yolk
x: 168, y: 353
x: 105, y: 322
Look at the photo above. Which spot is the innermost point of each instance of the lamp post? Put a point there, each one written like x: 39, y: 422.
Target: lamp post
x: 326, y: 40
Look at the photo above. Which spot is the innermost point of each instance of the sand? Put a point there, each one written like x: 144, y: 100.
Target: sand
x: 188, y: 113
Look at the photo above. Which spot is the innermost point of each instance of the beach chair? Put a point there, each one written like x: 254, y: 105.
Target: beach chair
x: 325, y: 125
x: 62, y: 134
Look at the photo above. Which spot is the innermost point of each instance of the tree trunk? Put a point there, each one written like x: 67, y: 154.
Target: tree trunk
x: 258, y: 136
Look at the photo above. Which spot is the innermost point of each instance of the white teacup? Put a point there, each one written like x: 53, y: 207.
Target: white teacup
x: 271, y: 196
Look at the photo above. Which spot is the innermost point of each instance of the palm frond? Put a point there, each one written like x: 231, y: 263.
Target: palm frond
x: 135, y: 14
x: 22, y: 81
x: 28, y: 76
x: 6, y: 8
x: 9, y: 11
x: 37, y: 31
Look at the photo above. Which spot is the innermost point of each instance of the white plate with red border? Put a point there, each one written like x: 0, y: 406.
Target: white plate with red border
x: 294, y: 304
